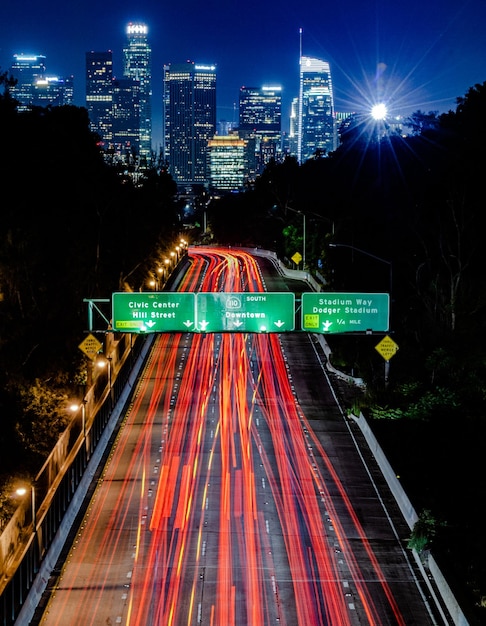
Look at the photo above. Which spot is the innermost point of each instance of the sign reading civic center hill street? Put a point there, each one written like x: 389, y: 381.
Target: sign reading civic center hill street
x: 345, y: 312
x: 150, y: 312
x: 254, y: 312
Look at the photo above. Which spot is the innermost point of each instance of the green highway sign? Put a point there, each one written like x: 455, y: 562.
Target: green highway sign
x: 253, y: 312
x: 150, y: 312
x: 345, y: 312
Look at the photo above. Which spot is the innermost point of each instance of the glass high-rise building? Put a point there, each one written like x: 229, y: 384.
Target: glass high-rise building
x: 53, y: 91
x: 126, y: 117
x: 316, y: 128
x: 99, y: 93
x: 260, y: 124
x: 37, y: 88
x: 137, y: 57
x: 227, y: 163
x: 189, y: 101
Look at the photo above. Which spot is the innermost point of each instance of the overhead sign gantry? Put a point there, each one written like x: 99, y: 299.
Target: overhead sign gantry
x: 255, y: 312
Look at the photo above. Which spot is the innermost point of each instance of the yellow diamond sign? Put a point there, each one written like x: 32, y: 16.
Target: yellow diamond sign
x: 387, y: 348
x: 297, y: 258
x: 90, y: 346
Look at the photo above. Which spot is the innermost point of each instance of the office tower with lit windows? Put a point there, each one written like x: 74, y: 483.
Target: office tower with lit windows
x: 316, y: 128
x: 189, y: 103
x: 53, y: 91
x: 260, y: 124
x: 227, y: 163
x: 293, y: 127
x: 99, y: 94
x: 26, y: 69
x: 126, y: 118
x: 137, y: 56
x: 37, y: 88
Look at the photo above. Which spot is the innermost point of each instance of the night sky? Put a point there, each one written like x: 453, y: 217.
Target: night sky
x: 414, y: 55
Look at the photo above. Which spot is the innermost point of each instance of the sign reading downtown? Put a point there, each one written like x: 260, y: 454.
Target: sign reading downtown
x: 345, y: 312
x: 253, y: 312
x: 257, y: 312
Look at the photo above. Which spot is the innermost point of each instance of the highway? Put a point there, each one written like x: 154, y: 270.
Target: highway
x: 237, y: 492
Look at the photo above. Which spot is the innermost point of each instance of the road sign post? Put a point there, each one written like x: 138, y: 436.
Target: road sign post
x: 345, y: 312
x: 153, y: 312
x: 256, y: 312
x: 387, y: 348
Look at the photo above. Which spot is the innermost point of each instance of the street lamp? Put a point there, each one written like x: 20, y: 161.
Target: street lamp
x: 21, y: 491
x: 102, y: 363
x: 377, y: 258
x: 75, y: 408
x: 373, y: 256
x: 160, y: 272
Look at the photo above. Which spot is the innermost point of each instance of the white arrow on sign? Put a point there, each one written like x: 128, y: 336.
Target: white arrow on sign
x: 187, y: 323
x: 279, y: 323
x: 237, y: 323
x: 203, y: 325
x: 150, y: 324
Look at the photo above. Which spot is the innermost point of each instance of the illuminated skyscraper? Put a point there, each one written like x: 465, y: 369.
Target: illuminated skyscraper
x: 99, y: 93
x: 260, y: 124
x: 35, y: 87
x: 227, y: 163
x: 126, y: 117
x: 316, y: 128
x: 189, y: 102
x: 137, y: 66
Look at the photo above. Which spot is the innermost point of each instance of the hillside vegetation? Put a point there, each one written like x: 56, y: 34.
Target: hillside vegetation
x: 406, y: 217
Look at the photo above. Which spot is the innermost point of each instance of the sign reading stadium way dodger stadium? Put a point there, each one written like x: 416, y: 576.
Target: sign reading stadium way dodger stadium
x: 345, y: 312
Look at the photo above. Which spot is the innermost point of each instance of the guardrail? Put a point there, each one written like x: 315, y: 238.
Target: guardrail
x: 28, y: 539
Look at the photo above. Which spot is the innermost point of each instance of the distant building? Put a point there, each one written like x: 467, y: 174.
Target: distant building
x: 99, y: 94
x: 53, y: 91
x: 35, y: 87
x: 260, y: 124
x: 137, y: 57
x: 316, y: 132
x: 189, y: 114
x: 294, y: 127
x: 126, y: 117
x: 227, y: 163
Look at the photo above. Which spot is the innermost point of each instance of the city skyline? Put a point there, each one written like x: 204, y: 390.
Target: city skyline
x: 415, y: 57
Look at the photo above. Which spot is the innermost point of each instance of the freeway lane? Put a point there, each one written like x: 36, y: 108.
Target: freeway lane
x: 235, y: 494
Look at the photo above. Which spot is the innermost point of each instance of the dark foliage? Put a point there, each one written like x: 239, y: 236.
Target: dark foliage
x: 71, y: 229
x: 407, y: 213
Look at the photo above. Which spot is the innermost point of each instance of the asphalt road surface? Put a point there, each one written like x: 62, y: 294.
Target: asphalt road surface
x: 237, y: 492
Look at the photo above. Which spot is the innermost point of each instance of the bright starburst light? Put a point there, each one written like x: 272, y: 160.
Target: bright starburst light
x: 379, y: 111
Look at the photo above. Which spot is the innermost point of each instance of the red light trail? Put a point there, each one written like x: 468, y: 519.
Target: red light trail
x: 241, y: 517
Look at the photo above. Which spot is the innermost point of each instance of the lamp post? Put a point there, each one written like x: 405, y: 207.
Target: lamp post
x: 109, y: 358
x: 373, y: 256
x: 75, y: 408
x: 103, y: 362
x: 390, y: 278
x: 160, y: 272
x: 21, y: 491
